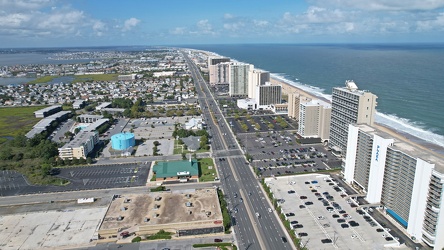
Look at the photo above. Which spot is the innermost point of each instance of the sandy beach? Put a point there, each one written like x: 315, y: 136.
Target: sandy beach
x: 417, y: 142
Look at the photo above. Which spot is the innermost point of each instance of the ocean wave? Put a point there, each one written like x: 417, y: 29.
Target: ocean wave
x: 406, y: 126
x: 399, y: 124
x: 318, y: 92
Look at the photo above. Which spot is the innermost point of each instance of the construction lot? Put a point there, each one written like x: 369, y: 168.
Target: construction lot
x: 191, y: 210
x: 55, y: 229
x: 323, y: 216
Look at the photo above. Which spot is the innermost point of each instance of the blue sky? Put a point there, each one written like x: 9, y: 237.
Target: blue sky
x: 58, y: 23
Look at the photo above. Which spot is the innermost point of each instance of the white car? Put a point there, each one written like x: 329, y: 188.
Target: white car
x: 269, y: 210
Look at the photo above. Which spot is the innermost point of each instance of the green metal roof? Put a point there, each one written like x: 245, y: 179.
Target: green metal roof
x: 176, y: 168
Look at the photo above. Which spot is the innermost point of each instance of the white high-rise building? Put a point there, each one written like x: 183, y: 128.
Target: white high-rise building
x: 349, y: 106
x: 408, y: 181
x: 314, y: 119
x: 256, y: 78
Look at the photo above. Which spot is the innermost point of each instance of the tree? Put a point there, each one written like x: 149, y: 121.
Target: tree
x: 45, y: 169
x: 68, y: 134
x: 156, y: 143
x: 203, y: 142
x: 184, y: 156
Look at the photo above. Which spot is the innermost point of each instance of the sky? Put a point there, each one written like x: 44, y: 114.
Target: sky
x: 64, y: 23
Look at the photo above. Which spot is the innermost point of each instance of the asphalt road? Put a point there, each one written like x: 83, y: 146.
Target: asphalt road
x: 237, y: 179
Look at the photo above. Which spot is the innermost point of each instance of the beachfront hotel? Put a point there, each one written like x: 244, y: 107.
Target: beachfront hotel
x: 256, y: 78
x: 349, y: 106
x: 294, y: 100
x: 314, y: 119
x: 406, y: 180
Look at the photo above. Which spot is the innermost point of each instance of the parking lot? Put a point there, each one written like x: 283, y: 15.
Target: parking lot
x: 278, y: 153
x: 265, y: 123
x: 11, y: 182
x: 121, y: 175
x: 81, y: 178
x: 323, y: 216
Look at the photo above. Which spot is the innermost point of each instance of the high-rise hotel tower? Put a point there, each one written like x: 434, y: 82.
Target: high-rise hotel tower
x: 405, y: 179
x: 349, y: 106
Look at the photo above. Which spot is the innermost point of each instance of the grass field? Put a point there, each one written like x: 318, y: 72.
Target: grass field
x: 43, y: 79
x: 14, y: 121
x: 207, y: 169
x: 98, y: 77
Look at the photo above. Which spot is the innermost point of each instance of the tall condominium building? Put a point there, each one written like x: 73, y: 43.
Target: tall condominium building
x: 220, y: 73
x: 256, y: 78
x: 349, y: 106
x: 406, y: 180
x: 214, y: 71
x: 80, y: 146
x: 314, y: 119
x: 238, y: 79
x: 267, y: 95
x: 294, y: 100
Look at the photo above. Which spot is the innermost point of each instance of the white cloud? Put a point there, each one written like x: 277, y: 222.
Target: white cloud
x: 228, y: 16
x: 260, y: 23
x: 99, y: 27
x: 204, y: 27
x: 437, y: 23
x: 129, y: 24
x: 381, y: 5
x: 20, y: 5
x: 178, y: 31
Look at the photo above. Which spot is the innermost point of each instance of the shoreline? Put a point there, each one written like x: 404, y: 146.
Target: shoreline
x: 399, y: 135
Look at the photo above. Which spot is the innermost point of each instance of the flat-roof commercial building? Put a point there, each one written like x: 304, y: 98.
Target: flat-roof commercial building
x: 407, y: 180
x: 82, y: 144
x: 314, y: 119
x: 176, y: 170
x: 44, y: 123
x: 349, y: 106
x: 47, y: 111
x: 190, y: 212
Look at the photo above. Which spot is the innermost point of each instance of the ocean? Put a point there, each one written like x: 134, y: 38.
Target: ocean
x: 407, y: 78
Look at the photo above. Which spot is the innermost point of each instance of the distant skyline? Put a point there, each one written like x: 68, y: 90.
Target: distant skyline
x: 63, y: 23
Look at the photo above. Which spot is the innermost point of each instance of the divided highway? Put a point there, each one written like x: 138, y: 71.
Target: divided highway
x: 254, y: 225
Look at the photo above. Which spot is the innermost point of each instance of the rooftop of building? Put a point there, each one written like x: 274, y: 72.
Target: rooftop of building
x: 78, y: 102
x: 316, y: 102
x: 48, y: 108
x: 175, y: 168
x: 351, y: 87
x: 96, y: 124
x: 91, y: 116
x: 79, y: 139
